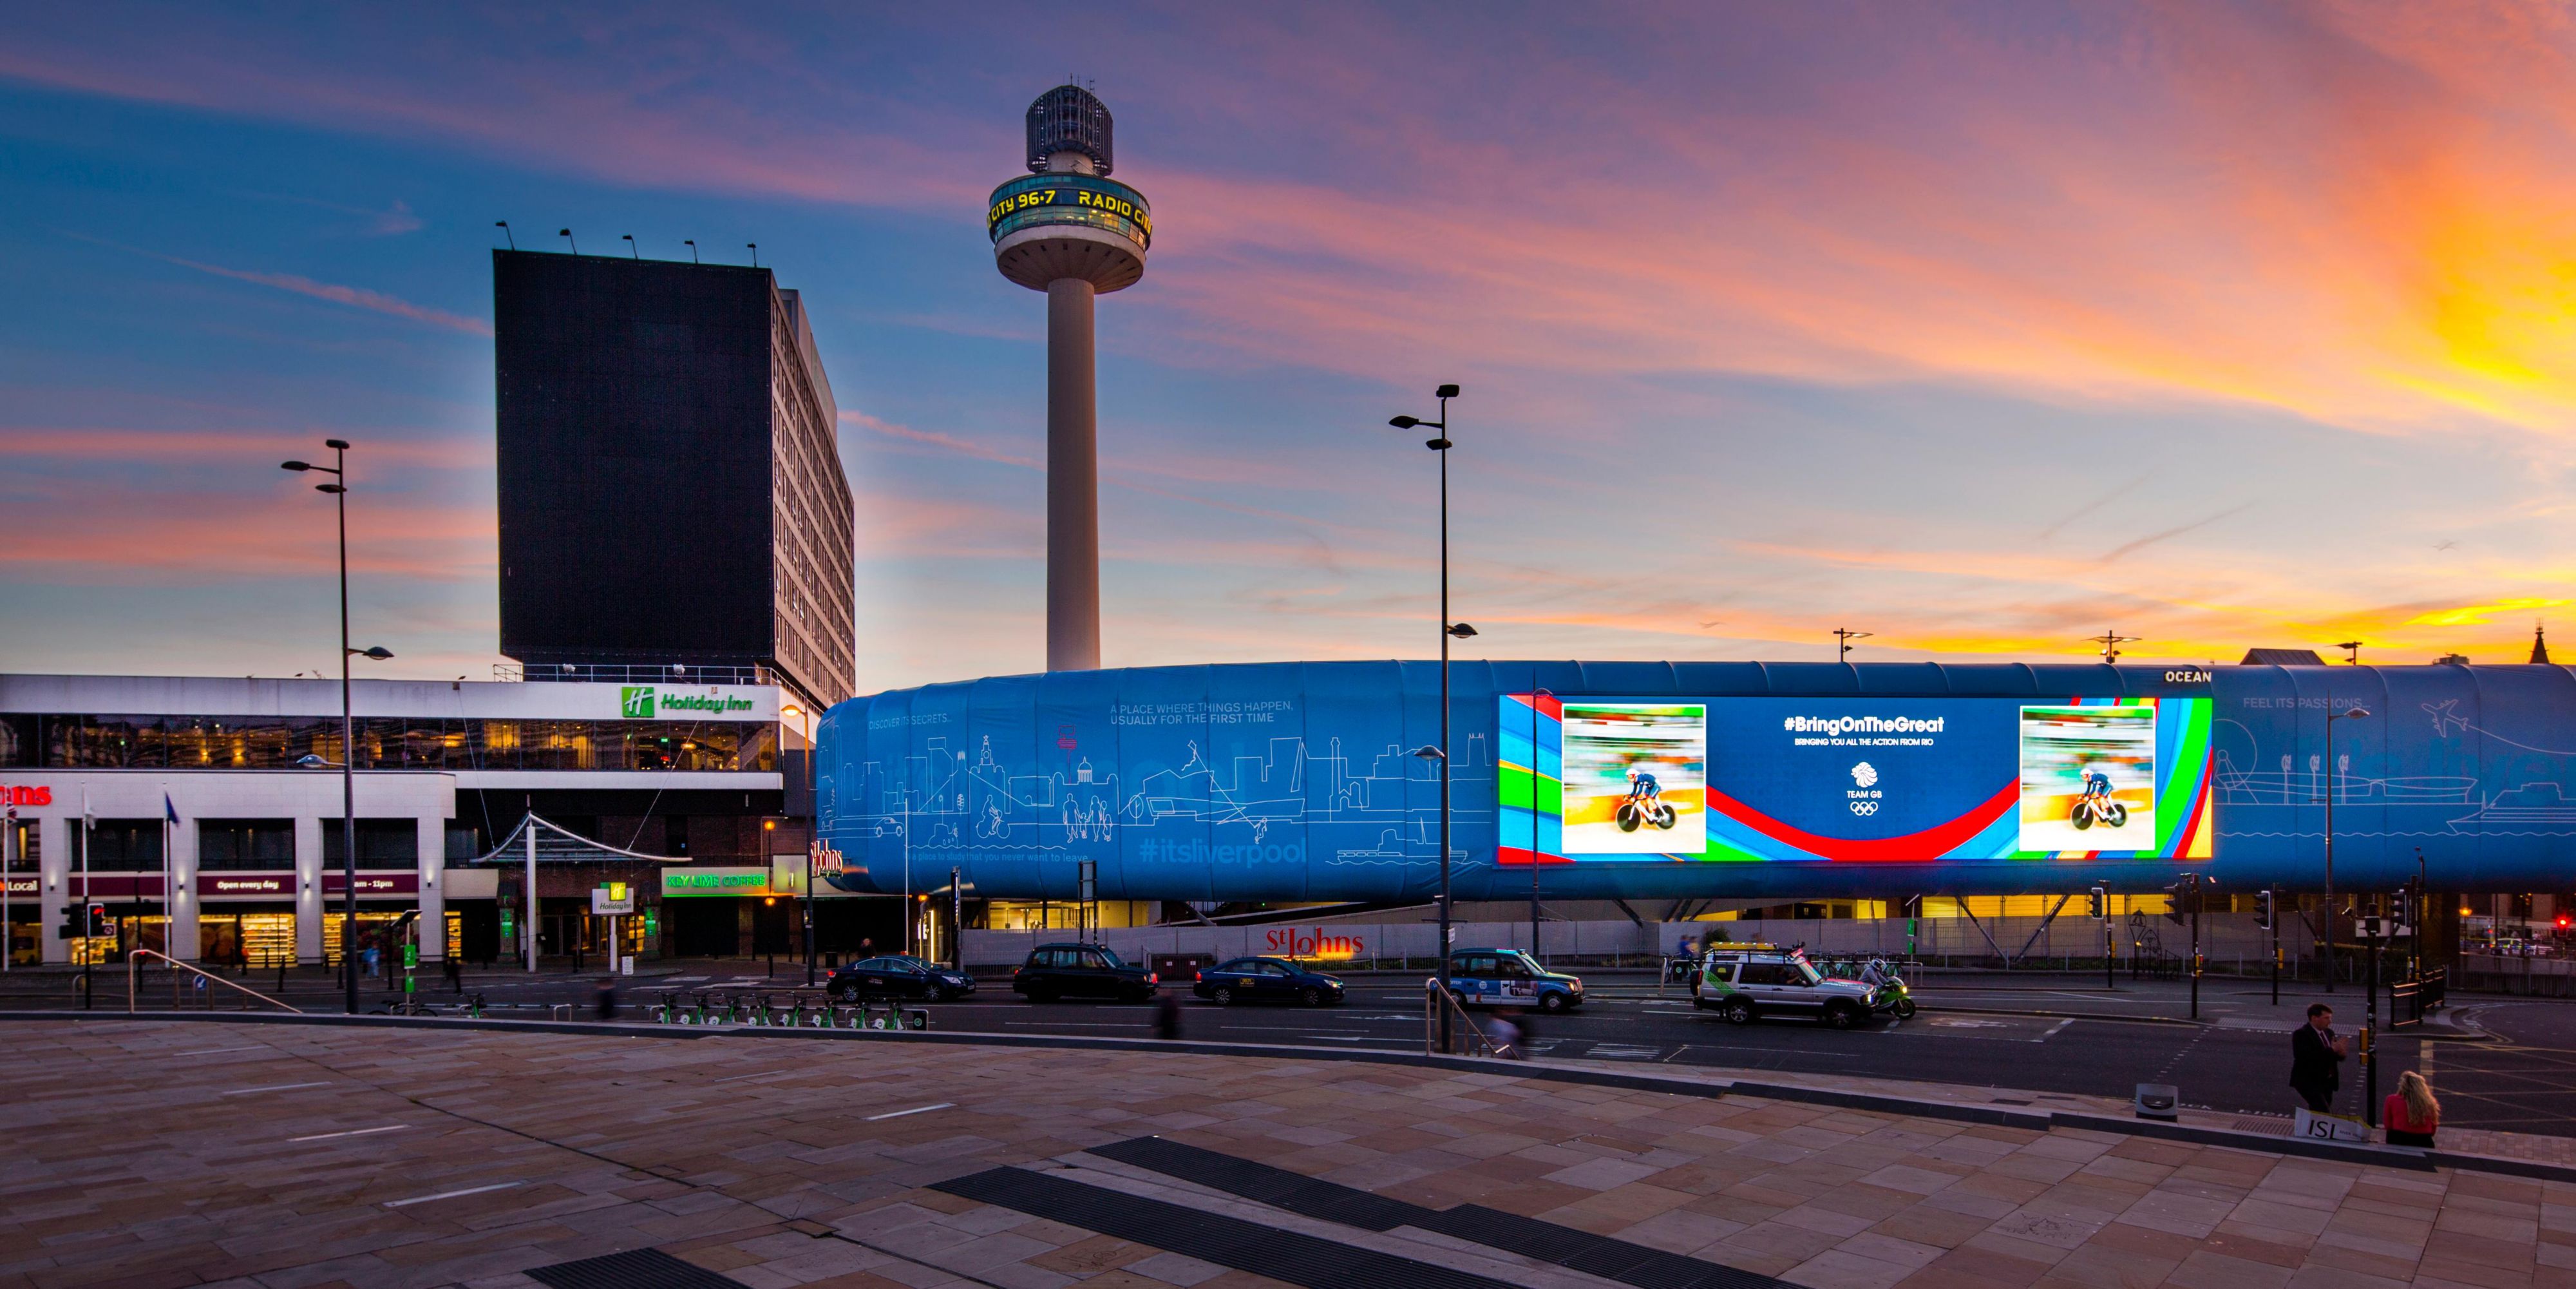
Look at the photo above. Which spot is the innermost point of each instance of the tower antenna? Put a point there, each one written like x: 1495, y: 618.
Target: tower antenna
x: 2111, y: 642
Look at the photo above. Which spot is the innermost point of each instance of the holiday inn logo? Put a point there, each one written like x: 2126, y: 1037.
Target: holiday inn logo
x: 644, y: 702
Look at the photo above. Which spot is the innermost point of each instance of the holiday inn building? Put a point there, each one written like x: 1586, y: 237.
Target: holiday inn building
x: 204, y: 815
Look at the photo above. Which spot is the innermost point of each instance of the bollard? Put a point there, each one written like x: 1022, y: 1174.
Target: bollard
x: 2159, y: 1101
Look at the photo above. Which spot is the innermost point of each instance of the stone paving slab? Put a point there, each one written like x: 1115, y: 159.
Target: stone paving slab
x: 131, y: 1154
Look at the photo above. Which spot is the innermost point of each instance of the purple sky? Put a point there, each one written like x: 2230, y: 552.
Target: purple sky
x: 1985, y: 328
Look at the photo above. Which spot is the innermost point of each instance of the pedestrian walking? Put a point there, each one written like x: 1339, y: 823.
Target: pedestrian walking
x: 1504, y: 1036
x: 373, y: 957
x: 606, y: 994
x: 1167, y: 1015
x: 2316, y: 1059
x: 455, y: 974
x: 2411, y: 1114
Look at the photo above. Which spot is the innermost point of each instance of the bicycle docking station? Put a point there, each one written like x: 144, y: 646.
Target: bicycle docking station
x: 760, y: 1010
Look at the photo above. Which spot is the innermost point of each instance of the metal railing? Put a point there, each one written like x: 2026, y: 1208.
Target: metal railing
x: 1466, y: 1037
x: 134, y: 961
x: 635, y: 673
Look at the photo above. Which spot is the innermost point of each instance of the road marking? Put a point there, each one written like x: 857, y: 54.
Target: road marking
x: 919, y: 1109
x: 211, y: 1051
x: 353, y: 1132
x: 470, y: 1190
x: 762, y: 1075
x: 282, y: 1087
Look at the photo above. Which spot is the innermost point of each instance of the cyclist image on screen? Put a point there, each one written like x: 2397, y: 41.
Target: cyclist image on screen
x: 1643, y: 788
x: 1644, y: 803
x: 2096, y: 805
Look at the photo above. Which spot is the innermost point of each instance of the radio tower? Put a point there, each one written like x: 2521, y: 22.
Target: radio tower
x: 1067, y: 229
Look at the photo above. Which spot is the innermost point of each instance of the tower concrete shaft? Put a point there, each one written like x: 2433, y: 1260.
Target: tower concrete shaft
x: 1073, y: 482
x: 1068, y: 229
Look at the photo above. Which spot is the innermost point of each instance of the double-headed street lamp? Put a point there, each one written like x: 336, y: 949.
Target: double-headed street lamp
x: 339, y: 490
x: 1448, y: 631
x: 2349, y: 713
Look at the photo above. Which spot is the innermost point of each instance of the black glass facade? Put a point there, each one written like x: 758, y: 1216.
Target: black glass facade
x: 382, y: 843
x: 246, y: 845
x: 124, y: 742
x: 670, y: 489
x: 118, y: 846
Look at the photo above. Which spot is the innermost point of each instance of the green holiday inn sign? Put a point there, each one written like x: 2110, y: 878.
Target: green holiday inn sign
x: 643, y: 703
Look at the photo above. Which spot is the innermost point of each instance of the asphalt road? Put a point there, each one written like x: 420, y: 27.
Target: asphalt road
x: 2052, y: 1035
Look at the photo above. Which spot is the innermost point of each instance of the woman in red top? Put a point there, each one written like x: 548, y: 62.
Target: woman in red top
x: 2411, y: 1114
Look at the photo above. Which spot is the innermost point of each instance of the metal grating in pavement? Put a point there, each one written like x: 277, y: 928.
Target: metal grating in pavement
x: 1210, y: 1237
x: 1566, y: 1246
x: 638, y: 1269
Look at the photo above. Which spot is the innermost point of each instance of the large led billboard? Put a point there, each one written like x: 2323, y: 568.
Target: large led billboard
x: 1853, y: 780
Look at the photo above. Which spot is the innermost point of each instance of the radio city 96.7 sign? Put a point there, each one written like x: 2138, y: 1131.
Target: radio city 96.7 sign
x: 1069, y: 199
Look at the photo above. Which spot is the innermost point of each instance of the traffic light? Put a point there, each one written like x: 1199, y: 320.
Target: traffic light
x: 97, y: 920
x: 2099, y: 903
x: 2263, y: 912
x: 2401, y: 907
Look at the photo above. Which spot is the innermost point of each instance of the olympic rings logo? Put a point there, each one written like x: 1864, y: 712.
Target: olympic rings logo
x: 1864, y: 807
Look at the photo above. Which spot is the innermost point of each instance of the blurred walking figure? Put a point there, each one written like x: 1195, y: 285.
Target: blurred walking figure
x: 1167, y: 1016
x: 2411, y: 1112
x: 1505, y: 1037
x: 606, y: 995
x: 455, y: 974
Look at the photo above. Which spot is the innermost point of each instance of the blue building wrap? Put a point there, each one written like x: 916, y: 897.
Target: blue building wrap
x: 1298, y: 781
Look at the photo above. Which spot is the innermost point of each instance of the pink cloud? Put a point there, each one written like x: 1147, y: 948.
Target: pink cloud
x: 82, y: 443
x: 354, y: 297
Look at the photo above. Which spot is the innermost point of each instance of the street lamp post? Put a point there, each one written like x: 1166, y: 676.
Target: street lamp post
x: 339, y: 490
x: 813, y: 835
x: 1448, y: 631
x: 2354, y: 713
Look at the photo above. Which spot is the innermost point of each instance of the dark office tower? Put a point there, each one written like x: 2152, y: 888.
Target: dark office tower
x: 672, y: 502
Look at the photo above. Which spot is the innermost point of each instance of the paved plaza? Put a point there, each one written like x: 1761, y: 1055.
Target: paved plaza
x: 157, y: 1153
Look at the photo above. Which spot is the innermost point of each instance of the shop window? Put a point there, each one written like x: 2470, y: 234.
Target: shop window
x: 382, y: 843
x: 18, y: 745
x: 246, y: 845
x: 105, y: 742
x: 26, y: 846
x: 434, y: 745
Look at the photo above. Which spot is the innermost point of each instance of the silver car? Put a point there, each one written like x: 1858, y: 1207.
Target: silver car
x: 1744, y: 985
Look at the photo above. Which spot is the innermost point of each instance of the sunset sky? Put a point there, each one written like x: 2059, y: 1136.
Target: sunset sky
x: 1984, y: 328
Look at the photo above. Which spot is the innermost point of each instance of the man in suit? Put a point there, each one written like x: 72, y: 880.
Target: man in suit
x: 2316, y: 1059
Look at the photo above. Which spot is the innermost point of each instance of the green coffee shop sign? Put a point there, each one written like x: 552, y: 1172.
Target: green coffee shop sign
x: 715, y: 881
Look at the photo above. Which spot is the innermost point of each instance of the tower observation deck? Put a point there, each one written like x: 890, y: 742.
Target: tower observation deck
x: 1068, y: 229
